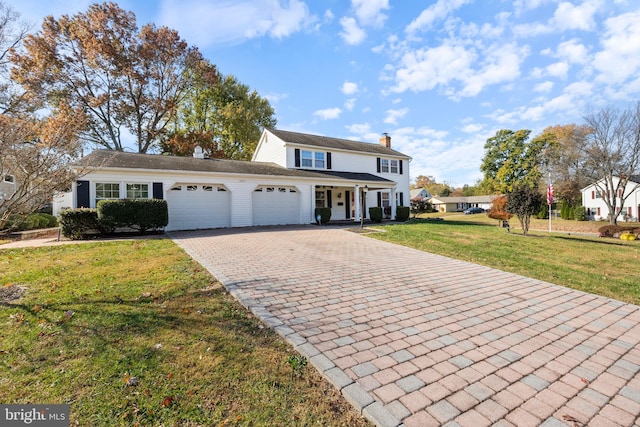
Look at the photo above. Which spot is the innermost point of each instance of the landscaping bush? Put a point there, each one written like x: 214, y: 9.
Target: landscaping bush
x: 421, y: 206
x: 544, y: 212
x: 579, y: 213
x: 614, y: 230
x: 31, y: 222
x: 139, y: 214
x: 375, y: 214
x: 77, y: 223
x: 325, y: 215
x: 402, y: 213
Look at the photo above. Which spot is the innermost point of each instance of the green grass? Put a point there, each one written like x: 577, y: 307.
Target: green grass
x: 607, y: 267
x: 96, y: 315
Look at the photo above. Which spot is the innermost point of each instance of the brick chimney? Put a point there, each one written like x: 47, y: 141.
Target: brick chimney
x: 385, y: 140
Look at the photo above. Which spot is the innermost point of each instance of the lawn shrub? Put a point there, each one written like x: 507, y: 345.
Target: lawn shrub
x: 325, y: 215
x: 615, y: 230
x: 139, y: 214
x: 544, y: 212
x: 402, y: 213
x: 75, y: 224
x: 375, y: 213
x: 32, y: 221
x: 579, y: 213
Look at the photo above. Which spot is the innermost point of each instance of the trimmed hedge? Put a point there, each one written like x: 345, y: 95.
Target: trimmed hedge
x: 140, y: 214
x: 75, y: 224
x: 325, y: 215
x: 32, y: 221
x: 375, y: 213
x: 402, y: 213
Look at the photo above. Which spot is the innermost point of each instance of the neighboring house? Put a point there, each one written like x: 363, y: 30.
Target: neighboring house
x: 7, y: 186
x: 596, y: 208
x: 289, y: 176
x: 419, y: 194
x: 458, y: 204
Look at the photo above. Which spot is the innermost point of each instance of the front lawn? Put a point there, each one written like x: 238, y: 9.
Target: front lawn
x: 135, y: 333
x: 607, y: 267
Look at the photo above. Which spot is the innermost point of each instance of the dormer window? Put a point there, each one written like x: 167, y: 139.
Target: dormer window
x: 307, y: 159
x: 318, y: 160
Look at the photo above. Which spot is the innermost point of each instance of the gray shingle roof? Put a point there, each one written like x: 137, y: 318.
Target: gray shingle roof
x: 119, y: 159
x: 334, y: 143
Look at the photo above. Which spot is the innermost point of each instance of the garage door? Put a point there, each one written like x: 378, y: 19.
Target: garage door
x: 194, y: 206
x: 276, y: 205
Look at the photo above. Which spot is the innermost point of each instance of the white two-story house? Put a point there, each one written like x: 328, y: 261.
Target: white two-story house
x: 596, y: 208
x: 289, y: 176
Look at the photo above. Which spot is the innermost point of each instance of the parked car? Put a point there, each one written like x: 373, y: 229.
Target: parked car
x: 470, y: 211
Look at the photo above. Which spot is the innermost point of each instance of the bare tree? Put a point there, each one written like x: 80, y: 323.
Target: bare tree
x: 612, y: 154
x: 35, y: 155
x: 12, y: 32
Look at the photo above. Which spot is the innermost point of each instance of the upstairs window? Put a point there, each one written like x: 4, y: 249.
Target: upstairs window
x: 394, y: 166
x: 307, y: 159
x: 384, y: 165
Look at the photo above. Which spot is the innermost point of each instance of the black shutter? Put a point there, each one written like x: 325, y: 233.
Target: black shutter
x: 401, y: 168
x: 157, y: 191
x: 378, y: 164
x: 401, y: 197
x: 347, y: 200
x: 379, y: 199
x: 297, y: 155
x: 82, y: 194
x: 329, y: 199
x: 328, y: 160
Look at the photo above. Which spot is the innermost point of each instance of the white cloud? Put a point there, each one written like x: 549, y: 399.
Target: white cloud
x: 436, y: 12
x: 349, y: 88
x: 369, y: 12
x: 274, y: 98
x: 618, y: 60
x: 328, y: 113
x: 328, y: 16
x: 392, y: 116
x: 573, y: 51
x: 576, y: 17
x: 424, y: 69
x: 543, y: 87
x: 349, y: 104
x: 558, y: 69
x: 351, y: 32
x: 243, y: 20
x: 472, y: 128
x: 359, y: 128
x: 396, y: 101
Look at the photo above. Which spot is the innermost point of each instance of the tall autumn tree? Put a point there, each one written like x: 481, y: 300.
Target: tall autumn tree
x: 511, y: 158
x: 564, y: 160
x: 222, y: 115
x: 125, y: 80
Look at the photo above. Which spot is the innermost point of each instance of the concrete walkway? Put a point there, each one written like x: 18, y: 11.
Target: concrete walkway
x: 416, y: 339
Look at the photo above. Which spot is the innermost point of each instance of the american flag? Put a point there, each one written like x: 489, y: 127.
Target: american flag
x: 549, y: 191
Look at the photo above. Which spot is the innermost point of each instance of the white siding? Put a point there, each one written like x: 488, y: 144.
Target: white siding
x: 270, y: 149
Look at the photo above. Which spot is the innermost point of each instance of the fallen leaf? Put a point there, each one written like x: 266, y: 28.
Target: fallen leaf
x: 167, y: 401
x: 36, y: 308
x: 584, y: 380
x: 572, y: 420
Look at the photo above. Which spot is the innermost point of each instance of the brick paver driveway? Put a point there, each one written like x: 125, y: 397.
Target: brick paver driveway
x: 416, y: 339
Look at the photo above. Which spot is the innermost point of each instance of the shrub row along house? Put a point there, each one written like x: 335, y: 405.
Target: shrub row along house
x: 289, y: 175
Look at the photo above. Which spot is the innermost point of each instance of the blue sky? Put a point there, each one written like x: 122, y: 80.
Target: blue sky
x: 439, y: 76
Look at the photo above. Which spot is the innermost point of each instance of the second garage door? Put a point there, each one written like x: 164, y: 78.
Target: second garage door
x: 274, y: 205
x: 195, y: 206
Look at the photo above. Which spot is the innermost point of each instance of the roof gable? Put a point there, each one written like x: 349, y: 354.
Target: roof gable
x: 334, y: 143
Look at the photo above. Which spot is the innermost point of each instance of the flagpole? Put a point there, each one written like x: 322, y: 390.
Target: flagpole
x: 549, y: 199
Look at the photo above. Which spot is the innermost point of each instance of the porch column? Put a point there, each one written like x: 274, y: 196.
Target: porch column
x: 313, y: 204
x: 392, y: 202
x: 356, y: 200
